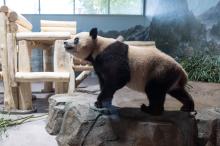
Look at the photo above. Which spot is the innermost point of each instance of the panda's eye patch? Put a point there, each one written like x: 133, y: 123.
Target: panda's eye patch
x: 76, y: 41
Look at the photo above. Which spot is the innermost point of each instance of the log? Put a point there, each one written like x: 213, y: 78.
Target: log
x: 14, y: 27
x: 43, y: 36
x: 82, y: 77
x: 62, y: 63
x: 12, y: 58
x: 19, y: 19
x: 24, y: 65
x: 10, y: 93
x: 140, y: 43
x: 72, y: 83
x: 47, y: 23
x: 28, y: 77
x: 82, y: 68
x: 48, y: 67
x: 4, y: 9
x: 59, y: 29
x: 1, y: 76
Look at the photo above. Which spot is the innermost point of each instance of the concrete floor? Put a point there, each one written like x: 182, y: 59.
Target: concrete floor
x: 33, y: 133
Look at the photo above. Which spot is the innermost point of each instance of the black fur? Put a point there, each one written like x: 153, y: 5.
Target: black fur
x: 112, y: 69
x: 93, y: 33
x: 157, y: 88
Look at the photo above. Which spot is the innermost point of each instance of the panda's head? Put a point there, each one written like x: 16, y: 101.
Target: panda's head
x: 82, y: 44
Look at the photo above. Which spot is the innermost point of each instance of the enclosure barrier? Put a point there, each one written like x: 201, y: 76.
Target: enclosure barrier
x: 16, y: 44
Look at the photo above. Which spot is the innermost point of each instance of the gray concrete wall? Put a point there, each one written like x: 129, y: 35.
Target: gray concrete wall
x: 84, y: 23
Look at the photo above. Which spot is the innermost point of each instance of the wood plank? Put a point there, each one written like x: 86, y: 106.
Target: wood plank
x: 10, y: 96
x: 24, y: 62
x: 49, y: 23
x: 43, y: 36
x: 27, y: 77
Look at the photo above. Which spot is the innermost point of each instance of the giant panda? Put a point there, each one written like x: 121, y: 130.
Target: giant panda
x: 144, y: 69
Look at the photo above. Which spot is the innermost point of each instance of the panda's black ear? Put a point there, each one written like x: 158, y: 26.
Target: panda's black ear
x: 93, y: 33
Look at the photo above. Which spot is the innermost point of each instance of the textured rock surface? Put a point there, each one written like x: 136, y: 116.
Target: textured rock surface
x: 77, y: 123
x: 209, y: 127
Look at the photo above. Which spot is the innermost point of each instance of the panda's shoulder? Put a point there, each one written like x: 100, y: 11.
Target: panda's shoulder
x: 115, y: 49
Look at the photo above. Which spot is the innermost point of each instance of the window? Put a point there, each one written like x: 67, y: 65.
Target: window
x: 91, y: 7
x: 1, y: 2
x: 24, y: 6
x: 56, y: 6
x: 128, y: 7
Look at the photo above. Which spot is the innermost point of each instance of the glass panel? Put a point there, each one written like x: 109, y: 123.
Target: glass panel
x: 91, y: 7
x: 129, y: 7
x: 57, y: 6
x: 1, y: 2
x: 24, y: 6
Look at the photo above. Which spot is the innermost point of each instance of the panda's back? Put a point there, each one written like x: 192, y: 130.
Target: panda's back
x: 146, y: 63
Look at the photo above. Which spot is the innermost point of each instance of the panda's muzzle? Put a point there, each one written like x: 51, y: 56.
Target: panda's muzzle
x: 69, y: 47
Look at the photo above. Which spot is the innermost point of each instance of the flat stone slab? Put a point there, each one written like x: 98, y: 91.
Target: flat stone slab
x: 76, y: 122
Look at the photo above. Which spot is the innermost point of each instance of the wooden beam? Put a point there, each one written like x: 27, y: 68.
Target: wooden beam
x: 10, y: 93
x: 82, y: 68
x: 62, y: 63
x: 72, y: 30
x: 1, y: 76
x: 24, y: 65
x: 140, y: 43
x: 72, y: 83
x: 43, y: 36
x: 48, y: 66
x: 28, y: 77
x: 48, y: 23
x: 81, y: 77
x: 14, y: 27
x: 12, y: 58
x: 4, y: 9
x: 19, y: 19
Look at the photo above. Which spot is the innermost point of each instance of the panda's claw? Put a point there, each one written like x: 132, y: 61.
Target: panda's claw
x: 145, y: 108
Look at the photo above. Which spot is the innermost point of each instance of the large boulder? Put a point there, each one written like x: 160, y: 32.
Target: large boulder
x: 208, y: 121
x: 76, y: 122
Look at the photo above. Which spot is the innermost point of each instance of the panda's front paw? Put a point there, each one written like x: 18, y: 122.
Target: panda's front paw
x: 98, y: 104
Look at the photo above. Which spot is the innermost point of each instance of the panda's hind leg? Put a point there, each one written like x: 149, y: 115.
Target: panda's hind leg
x: 184, y: 97
x: 156, y: 96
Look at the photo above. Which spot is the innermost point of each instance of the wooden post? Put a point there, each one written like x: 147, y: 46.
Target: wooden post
x: 48, y: 67
x: 62, y: 63
x: 24, y: 59
x: 10, y: 96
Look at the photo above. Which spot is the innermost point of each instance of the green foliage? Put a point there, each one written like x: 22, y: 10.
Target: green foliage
x: 95, y: 6
x: 215, y: 31
x: 202, y: 68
